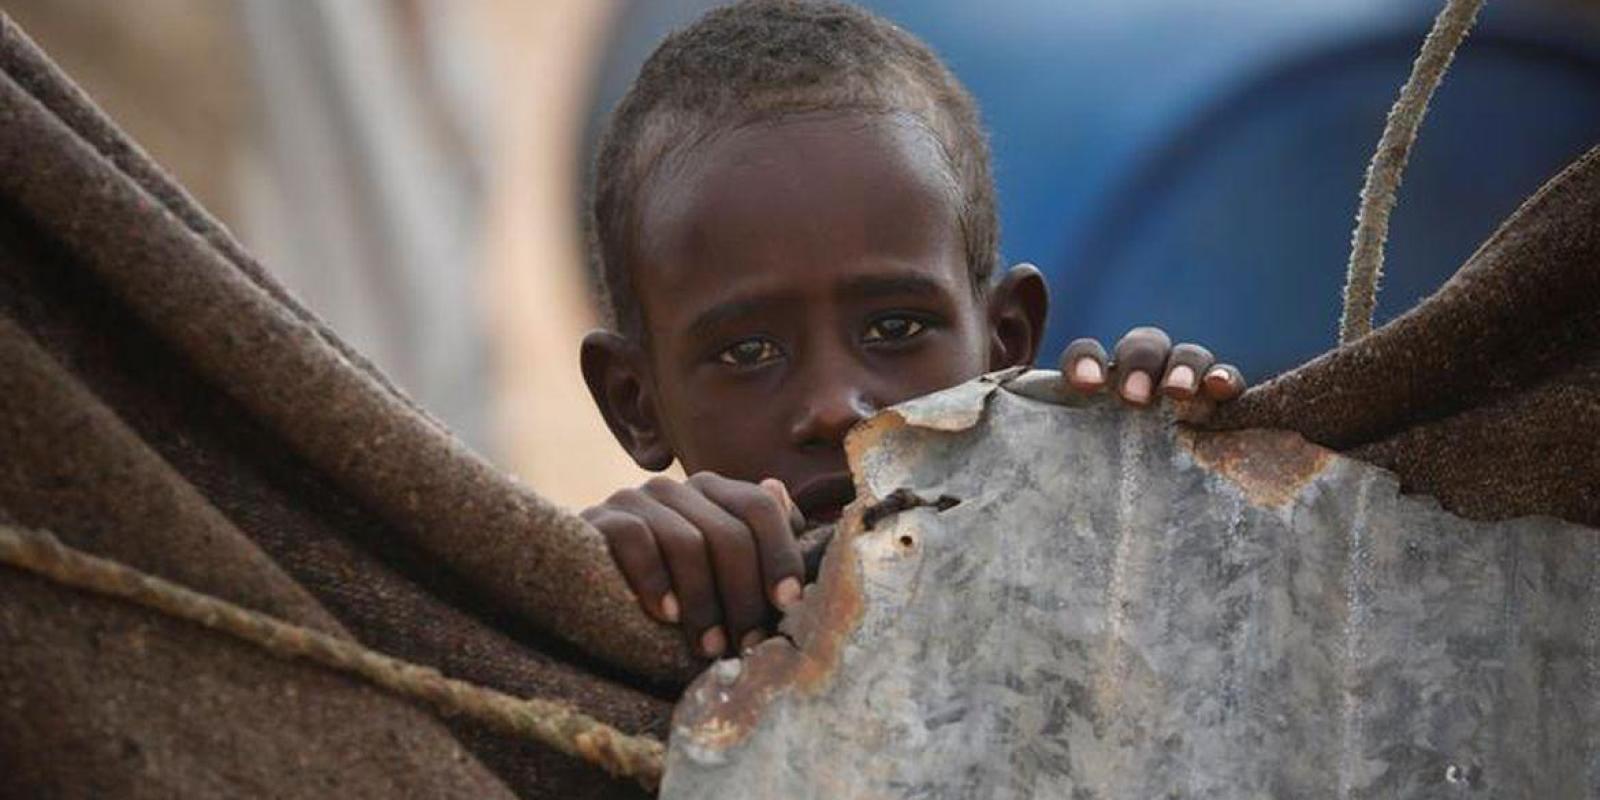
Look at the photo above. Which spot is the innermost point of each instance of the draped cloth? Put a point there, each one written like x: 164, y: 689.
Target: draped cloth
x: 165, y: 403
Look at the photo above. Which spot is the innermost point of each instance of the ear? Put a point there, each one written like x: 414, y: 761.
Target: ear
x: 1017, y: 308
x: 615, y: 370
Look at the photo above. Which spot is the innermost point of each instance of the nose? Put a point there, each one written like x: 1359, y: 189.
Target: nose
x: 829, y: 410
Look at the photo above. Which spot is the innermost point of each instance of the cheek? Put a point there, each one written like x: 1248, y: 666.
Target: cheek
x: 715, y: 430
x: 960, y: 354
x: 968, y: 353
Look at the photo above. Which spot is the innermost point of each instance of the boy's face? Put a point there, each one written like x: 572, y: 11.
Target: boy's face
x: 795, y: 277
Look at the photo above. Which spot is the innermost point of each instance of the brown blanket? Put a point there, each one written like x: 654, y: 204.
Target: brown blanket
x: 1487, y: 394
x: 165, y: 403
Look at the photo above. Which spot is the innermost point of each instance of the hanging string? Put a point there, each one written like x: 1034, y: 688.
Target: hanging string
x: 1383, y: 173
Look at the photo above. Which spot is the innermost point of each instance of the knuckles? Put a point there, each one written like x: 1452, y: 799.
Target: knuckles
x: 705, y: 479
x: 748, y: 503
x: 1191, y: 353
x: 1145, y: 340
x: 624, y: 498
x: 1145, y: 332
x: 723, y: 535
x: 623, y: 529
x: 659, y: 485
x: 683, y: 538
x: 1148, y: 348
x: 743, y: 499
x: 1140, y: 352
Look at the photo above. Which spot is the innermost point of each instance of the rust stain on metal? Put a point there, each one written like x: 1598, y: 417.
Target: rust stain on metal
x: 719, y: 712
x: 1271, y: 467
x: 821, y: 625
x: 726, y: 704
x: 713, y: 716
x: 866, y: 435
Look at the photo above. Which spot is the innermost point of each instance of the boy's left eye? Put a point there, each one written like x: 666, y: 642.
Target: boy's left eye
x: 893, y: 329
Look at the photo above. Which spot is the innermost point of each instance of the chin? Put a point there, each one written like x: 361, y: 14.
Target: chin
x: 822, y: 499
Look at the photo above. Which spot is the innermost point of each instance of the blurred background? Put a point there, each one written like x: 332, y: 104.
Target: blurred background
x: 414, y: 169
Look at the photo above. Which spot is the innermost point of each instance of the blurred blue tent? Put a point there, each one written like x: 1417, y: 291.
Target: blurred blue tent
x: 1195, y: 163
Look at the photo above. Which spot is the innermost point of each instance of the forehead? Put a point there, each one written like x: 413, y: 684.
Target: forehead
x: 806, y: 199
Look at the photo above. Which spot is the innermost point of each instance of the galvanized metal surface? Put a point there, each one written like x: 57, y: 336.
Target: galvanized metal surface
x: 1118, y: 608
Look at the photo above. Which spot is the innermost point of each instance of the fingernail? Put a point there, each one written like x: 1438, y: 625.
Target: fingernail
x: 713, y: 641
x: 669, y: 607
x: 1181, y: 378
x: 1137, y: 387
x: 1087, y: 371
x: 787, y: 592
x: 752, y: 638
x: 1218, y: 375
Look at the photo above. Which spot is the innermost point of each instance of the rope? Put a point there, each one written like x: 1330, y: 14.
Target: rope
x: 1383, y: 173
x: 543, y: 721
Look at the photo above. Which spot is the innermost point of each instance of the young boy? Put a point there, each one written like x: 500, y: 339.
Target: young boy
x: 794, y: 226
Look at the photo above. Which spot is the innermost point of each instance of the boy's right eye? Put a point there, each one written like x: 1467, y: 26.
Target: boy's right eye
x: 749, y: 353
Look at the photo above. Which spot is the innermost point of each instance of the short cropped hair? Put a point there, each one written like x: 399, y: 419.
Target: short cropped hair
x: 763, y: 60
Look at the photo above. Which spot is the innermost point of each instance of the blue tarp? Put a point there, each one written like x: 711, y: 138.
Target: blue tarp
x: 1196, y: 164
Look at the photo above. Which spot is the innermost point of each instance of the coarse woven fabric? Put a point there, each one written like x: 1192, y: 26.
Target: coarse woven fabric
x: 164, y: 402
x: 1486, y: 395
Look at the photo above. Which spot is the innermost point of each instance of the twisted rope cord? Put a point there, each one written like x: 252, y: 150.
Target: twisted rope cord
x: 1383, y: 173
x: 543, y: 721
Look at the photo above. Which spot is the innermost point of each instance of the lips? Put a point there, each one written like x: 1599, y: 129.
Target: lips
x: 821, y: 499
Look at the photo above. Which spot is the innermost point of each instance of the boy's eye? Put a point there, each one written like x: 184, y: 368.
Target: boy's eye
x: 893, y: 329
x: 749, y: 353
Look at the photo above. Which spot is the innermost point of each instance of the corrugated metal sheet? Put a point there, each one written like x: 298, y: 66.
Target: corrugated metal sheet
x: 1116, y: 607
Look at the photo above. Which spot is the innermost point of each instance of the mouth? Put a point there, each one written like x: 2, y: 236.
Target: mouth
x: 824, y: 497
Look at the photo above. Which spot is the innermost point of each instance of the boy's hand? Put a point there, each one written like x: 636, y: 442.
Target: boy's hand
x: 708, y: 553
x: 1144, y: 363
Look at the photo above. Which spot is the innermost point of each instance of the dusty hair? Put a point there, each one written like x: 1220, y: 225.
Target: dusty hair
x: 765, y: 60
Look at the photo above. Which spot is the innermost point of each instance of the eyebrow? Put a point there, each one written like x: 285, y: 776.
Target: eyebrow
x: 864, y: 287
x: 877, y: 286
x: 707, y: 322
